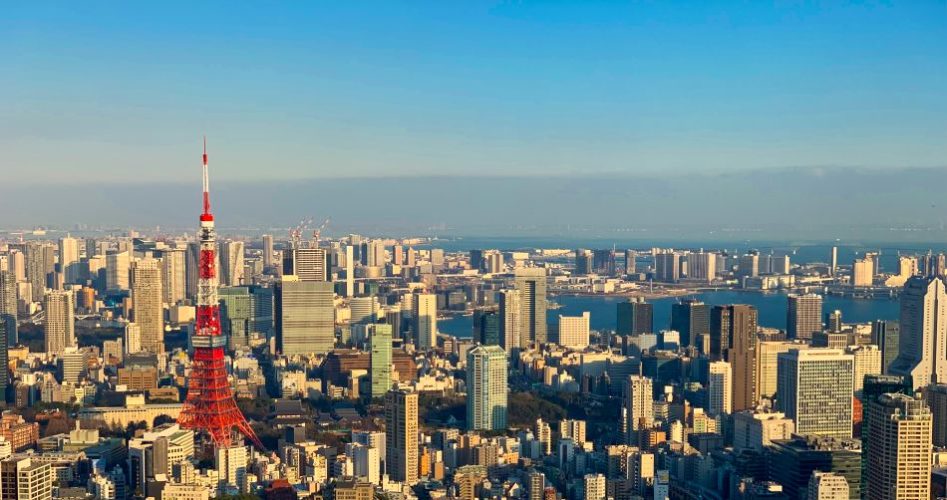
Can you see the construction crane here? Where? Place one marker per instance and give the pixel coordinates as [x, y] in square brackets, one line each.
[295, 233]
[317, 232]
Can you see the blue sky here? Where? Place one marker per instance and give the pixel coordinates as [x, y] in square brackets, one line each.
[116, 92]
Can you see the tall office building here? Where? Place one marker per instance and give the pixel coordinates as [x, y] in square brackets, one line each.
[304, 316]
[814, 389]
[583, 261]
[733, 339]
[638, 407]
[874, 387]
[486, 388]
[603, 262]
[833, 264]
[574, 331]
[867, 361]
[630, 266]
[790, 462]
[231, 260]
[510, 321]
[486, 327]
[719, 388]
[766, 374]
[309, 264]
[702, 266]
[803, 316]
[424, 308]
[59, 327]
[268, 251]
[531, 285]
[349, 271]
[8, 324]
[401, 436]
[380, 362]
[863, 272]
[147, 303]
[692, 319]
[886, 334]
[69, 259]
[667, 267]
[475, 258]
[922, 349]
[173, 275]
[899, 466]
[748, 265]
[117, 265]
[635, 317]
[364, 310]
[40, 266]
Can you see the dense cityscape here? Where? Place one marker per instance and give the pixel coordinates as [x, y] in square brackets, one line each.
[307, 366]
[468, 250]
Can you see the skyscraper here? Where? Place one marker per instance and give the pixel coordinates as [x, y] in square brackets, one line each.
[60, 321]
[867, 361]
[635, 317]
[401, 435]
[116, 271]
[814, 389]
[899, 466]
[69, 259]
[639, 406]
[583, 261]
[886, 335]
[40, 265]
[702, 266]
[425, 320]
[574, 331]
[173, 275]
[147, 304]
[667, 267]
[304, 316]
[691, 318]
[486, 326]
[486, 388]
[531, 285]
[803, 316]
[719, 388]
[733, 338]
[231, 260]
[922, 349]
[380, 363]
[630, 266]
[268, 251]
[874, 387]
[8, 325]
[309, 264]
[510, 322]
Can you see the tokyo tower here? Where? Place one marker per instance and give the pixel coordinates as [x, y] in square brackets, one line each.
[210, 406]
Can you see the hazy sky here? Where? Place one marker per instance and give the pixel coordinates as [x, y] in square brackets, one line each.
[102, 91]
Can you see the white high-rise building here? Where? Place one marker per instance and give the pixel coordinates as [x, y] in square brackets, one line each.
[267, 250]
[132, 338]
[173, 275]
[510, 322]
[425, 320]
[814, 389]
[867, 362]
[574, 331]
[719, 388]
[922, 349]
[59, 326]
[486, 388]
[231, 464]
[367, 461]
[899, 462]
[232, 262]
[702, 266]
[148, 304]
[117, 265]
[69, 259]
[639, 406]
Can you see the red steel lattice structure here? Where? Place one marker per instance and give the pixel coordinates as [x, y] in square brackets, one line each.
[210, 406]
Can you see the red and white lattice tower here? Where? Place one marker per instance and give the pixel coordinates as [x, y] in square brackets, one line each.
[210, 406]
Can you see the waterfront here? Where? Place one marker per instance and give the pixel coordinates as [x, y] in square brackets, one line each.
[771, 307]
